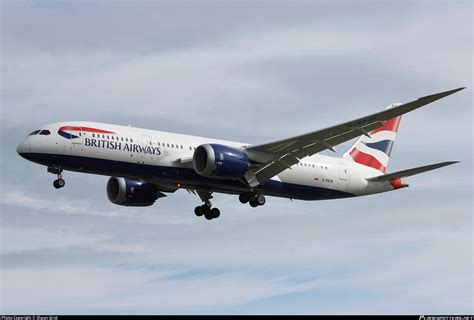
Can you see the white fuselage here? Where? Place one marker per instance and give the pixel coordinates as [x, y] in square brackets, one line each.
[160, 157]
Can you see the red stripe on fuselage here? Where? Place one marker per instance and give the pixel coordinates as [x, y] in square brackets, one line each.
[389, 125]
[366, 160]
[85, 129]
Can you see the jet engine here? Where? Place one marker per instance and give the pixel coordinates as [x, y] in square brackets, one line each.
[131, 193]
[219, 161]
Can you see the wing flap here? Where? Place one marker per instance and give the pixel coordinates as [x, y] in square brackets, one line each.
[293, 157]
[410, 172]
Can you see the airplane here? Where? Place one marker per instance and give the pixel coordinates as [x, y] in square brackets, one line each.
[144, 165]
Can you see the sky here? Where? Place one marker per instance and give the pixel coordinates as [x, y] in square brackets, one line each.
[244, 71]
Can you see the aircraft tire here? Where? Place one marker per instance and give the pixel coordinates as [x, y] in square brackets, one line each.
[205, 209]
[198, 211]
[215, 213]
[59, 183]
[243, 198]
[260, 200]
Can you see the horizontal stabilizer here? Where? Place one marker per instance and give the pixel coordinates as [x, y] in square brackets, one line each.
[410, 172]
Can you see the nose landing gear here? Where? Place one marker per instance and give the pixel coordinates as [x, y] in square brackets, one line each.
[59, 182]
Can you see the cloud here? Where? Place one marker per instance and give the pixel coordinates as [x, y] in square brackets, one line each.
[217, 78]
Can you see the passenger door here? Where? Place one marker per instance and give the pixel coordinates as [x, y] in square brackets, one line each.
[75, 143]
[147, 149]
[343, 176]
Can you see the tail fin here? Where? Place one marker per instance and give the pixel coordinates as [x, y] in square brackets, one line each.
[374, 151]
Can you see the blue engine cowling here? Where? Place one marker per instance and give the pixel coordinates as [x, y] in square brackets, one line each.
[219, 161]
[131, 193]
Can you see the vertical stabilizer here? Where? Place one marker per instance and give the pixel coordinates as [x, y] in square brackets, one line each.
[375, 151]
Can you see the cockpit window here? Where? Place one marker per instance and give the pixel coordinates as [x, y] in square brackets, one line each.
[34, 132]
[45, 132]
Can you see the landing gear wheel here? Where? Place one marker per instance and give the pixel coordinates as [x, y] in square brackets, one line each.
[243, 198]
[215, 213]
[260, 200]
[198, 211]
[209, 216]
[253, 203]
[59, 183]
[205, 209]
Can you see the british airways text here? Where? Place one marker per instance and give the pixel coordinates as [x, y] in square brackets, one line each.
[121, 146]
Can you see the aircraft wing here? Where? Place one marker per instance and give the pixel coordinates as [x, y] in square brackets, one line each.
[410, 172]
[272, 158]
[185, 162]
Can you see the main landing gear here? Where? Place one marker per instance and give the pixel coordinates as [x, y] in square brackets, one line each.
[253, 199]
[208, 212]
[206, 209]
[59, 182]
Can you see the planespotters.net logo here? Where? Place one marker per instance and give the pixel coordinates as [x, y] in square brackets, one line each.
[446, 317]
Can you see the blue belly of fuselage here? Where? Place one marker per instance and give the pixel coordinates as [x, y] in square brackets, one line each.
[186, 178]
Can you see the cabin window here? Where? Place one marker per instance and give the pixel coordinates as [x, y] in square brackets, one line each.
[131, 140]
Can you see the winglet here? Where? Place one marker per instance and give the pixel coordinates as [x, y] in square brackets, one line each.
[437, 96]
[415, 104]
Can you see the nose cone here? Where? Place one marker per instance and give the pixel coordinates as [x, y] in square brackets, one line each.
[23, 148]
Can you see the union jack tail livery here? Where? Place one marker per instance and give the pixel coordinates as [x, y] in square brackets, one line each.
[374, 151]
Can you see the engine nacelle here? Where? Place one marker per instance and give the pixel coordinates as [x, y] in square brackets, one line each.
[131, 193]
[219, 161]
